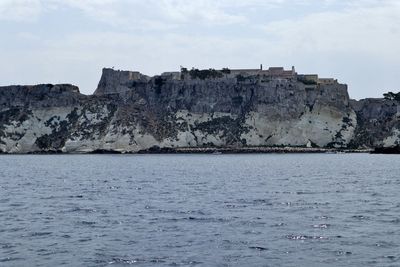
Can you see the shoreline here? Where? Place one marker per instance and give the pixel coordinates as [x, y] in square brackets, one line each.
[248, 150]
[206, 150]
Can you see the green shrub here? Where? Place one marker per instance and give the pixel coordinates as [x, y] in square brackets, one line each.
[204, 74]
[226, 71]
[392, 96]
[240, 78]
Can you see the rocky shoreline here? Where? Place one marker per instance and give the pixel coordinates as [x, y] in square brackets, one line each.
[213, 150]
[248, 150]
[387, 150]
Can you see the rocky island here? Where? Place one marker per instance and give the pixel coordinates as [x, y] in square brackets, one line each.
[195, 110]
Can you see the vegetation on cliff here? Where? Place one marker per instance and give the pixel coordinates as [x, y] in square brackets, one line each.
[392, 96]
[204, 74]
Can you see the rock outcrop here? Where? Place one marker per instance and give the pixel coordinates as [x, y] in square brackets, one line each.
[131, 112]
[378, 123]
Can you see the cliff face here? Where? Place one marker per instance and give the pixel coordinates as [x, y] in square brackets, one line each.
[378, 123]
[130, 112]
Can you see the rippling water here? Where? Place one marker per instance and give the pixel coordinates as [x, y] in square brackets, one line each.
[206, 210]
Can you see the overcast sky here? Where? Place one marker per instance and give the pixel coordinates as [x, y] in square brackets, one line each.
[70, 41]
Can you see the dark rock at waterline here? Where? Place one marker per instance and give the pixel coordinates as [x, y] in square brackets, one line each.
[387, 150]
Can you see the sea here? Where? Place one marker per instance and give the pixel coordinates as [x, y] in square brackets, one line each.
[200, 210]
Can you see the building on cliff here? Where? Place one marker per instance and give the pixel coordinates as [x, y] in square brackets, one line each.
[273, 72]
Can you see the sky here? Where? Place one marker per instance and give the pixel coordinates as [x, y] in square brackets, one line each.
[70, 41]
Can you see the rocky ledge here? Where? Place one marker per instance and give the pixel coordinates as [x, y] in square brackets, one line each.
[238, 110]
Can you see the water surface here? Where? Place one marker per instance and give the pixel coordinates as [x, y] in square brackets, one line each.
[204, 210]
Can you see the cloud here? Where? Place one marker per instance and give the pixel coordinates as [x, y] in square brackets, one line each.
[363, 30]
[19, 10]
[102, 10]
[123, 12]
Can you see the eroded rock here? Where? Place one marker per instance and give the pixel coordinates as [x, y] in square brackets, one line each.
[131, 112]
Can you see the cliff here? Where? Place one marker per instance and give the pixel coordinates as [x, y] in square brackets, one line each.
[378, 123]
[131, 112]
